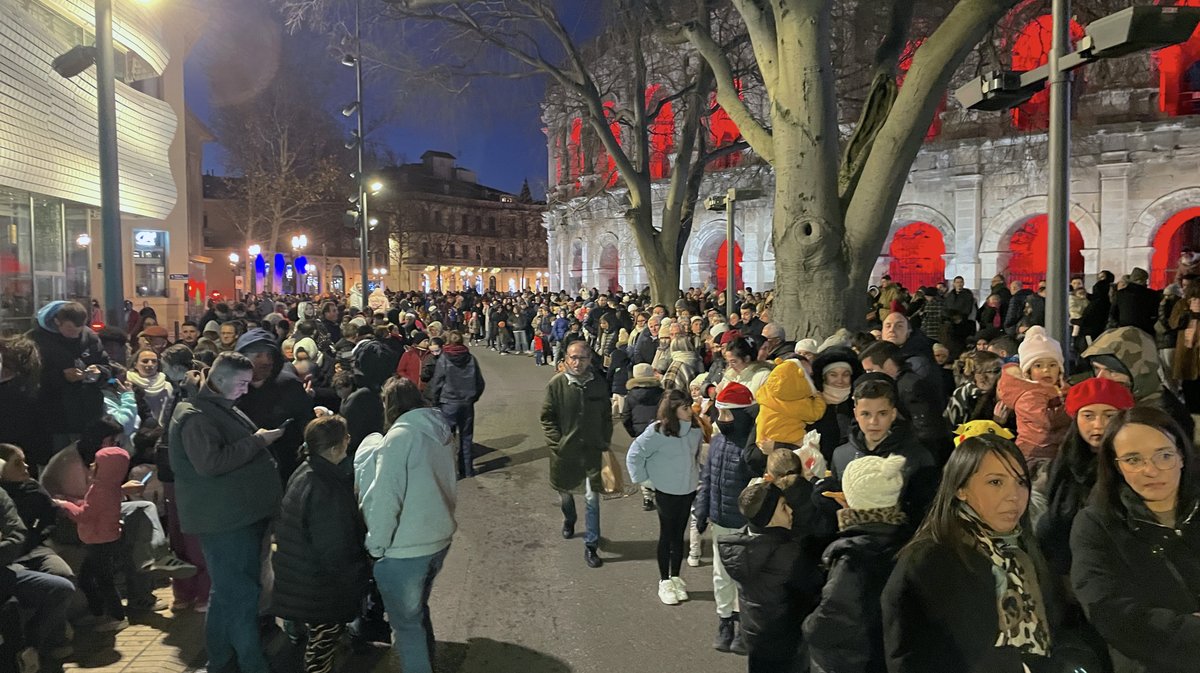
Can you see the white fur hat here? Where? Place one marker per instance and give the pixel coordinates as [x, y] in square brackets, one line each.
[718, 329]
[872, 482]
[1037, 345]
[806, 346]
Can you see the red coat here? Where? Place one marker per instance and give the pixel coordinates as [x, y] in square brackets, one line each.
[1042, 420]
[410, 365]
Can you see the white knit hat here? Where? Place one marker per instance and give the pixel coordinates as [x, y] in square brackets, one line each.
[1037, 346]
[806, 346]
[872, 482]
[718, 329]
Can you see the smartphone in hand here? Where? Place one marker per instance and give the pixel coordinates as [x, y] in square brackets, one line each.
[284, 425]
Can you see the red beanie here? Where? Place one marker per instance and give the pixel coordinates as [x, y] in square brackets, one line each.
[730, 335]
[734, 396]
[1098, 391]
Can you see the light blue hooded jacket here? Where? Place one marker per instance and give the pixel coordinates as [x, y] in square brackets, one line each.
[407, 486]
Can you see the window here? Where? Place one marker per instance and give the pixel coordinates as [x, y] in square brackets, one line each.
[466, 252]
[16, 261]
[437, 221]
[491, 252]
[79, 227]
[338, 281]
[478, 224]
[492, 225]
[465, 223]
[150, 262]
[424, 249]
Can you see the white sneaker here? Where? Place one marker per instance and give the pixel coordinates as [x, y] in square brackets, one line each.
[680, 588]
[693, 561]
[666, 592]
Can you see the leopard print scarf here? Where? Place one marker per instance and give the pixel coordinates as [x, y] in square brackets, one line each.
[1019, 605]
[856, 517]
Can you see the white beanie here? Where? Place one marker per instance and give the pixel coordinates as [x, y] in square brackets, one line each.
[872, 482]
[836, 341]
[665, 326]
[1037, 346]
[718, 329]
[806, 346]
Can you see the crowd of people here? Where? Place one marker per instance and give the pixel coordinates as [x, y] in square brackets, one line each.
[941, 490]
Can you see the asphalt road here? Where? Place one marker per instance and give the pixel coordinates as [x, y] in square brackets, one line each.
[514, 597]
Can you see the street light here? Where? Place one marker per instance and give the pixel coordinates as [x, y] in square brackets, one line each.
[254, 250]
[234, 258]
[726, 203]
[299, 242]
[83, 240]
[69, 65]
[1128, 31]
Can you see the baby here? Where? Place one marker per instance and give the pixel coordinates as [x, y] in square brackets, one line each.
[1034, 390]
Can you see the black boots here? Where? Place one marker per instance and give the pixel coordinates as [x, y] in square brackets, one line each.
[725, 630]
[738, 646]
[593, 559]
[568, 530]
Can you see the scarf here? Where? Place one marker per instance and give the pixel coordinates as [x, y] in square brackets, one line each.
[835, 395]
[847, 517]
[1019, 606]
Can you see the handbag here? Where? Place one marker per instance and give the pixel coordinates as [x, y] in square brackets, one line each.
[612, 476]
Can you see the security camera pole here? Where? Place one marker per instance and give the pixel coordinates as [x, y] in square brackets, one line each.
[726, 203]
[1058, 262]
[363, 219]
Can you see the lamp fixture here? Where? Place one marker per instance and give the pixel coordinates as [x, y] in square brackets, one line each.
[350, 108]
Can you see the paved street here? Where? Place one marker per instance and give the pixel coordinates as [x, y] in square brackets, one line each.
[514, 596]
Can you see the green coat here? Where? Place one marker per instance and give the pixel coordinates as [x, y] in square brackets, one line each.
[577, 421]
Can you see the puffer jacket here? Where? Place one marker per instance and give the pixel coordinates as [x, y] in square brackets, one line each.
[671, 463]
[845, 632]
[1139, 583]
[1042, 420]
[641, 404]
[457, 378]
[98, 517]
[921, 474]
[788, 403]
[1072, 477]
[619, 371]
[321, 568]
[722, 479]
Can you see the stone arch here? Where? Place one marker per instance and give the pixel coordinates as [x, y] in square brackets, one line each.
[702, 250]
[998, 230]
[608, 261]
[910, 213]
[1145, 228]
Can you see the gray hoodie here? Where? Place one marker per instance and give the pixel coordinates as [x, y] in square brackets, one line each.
[407, 486]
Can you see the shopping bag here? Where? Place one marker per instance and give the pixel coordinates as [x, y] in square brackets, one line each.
[612, 476]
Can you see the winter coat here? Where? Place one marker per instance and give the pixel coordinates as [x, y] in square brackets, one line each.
[1094, 320]
[24, 422]
[37, 510]
[577, 421]
[1139, 583]
[407, 486]
[643, 349]
[1042, 420]
[619, 370]
[1072, 476]
[834, 426]
[787, 403]
[1186, 364]
[12, 544]
[685, 366]
[162, 455]
[1135, 349]
[970, 403]
[641, 404]
[72, 406]
[98, 517]
[321, 569]
[921, 474]
[962, 301]
[411, 363]
[363, 409]
[753, 376]
[923, 410]
[279, 398]
[671, 463]
[1135, 306]
[845, 632]
[559, 330]
[1016, 309]
[940, 613]
[722, 479]
[225, 478]
[457, 378]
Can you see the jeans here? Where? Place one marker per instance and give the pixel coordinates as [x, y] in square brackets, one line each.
[143, 540]
[231, 630]
[522, 338]
[405, 584]
[591, 500]
[725, 591]
[673, 513]
[460, 416]
[48, 598]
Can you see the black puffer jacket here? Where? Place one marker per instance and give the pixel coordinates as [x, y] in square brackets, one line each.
[619, 370]
[834, 427]
[845, 632]
[641, 404]
[363, 409]
[37, 511]
[321, 567]
[73, 406]
[1139, 583]
[722, 479]
[921, 474]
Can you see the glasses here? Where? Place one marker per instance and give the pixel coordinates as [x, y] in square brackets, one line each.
[1162, 460]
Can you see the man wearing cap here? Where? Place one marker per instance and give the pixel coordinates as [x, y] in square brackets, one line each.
[1136, 305]
[577, 420]
[275, 396]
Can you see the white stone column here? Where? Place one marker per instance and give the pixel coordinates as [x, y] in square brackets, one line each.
[1139, 256]
[990, 264]
[881, 267]
[1114, 215]
[1091, 263]
[968, 228]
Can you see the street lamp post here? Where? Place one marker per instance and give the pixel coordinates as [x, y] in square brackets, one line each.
[110, 186]
[726, 203]
[1058, 254]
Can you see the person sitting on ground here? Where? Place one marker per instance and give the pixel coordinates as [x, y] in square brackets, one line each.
[845, 632]
[38, 513]
[1035, 390]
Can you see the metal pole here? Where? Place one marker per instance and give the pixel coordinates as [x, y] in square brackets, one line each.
[110, 186]
[1058, 261]
[730, 271]
[364, 230]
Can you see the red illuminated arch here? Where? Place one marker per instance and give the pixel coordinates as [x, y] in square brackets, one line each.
[1179, 71]
[722, 132]
[662, 134]
[1031, 50]
[916, 253]
[1027, 246]
[906, 59]
[1182, 229]
[722, 266]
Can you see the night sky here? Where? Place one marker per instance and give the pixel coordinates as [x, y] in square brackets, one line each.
[493, 127]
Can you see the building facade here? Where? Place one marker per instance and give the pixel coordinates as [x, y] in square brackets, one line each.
[50, 234]
[445, 231]
[975, 201]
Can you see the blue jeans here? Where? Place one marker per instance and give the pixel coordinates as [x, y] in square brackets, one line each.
[591, 501]
[47, 598]
[405, 584]
[234, 561]
[460, 416]
[522, 338]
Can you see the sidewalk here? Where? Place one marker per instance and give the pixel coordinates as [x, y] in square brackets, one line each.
[155, 642]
